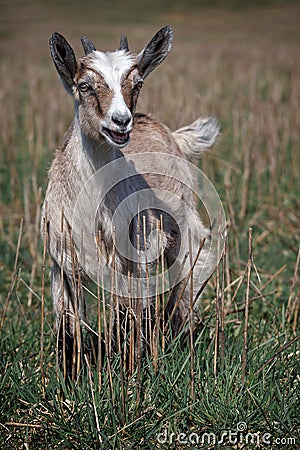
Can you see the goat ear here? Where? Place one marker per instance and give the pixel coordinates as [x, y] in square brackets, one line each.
[155, 52]
[87, 45]
[64, 59]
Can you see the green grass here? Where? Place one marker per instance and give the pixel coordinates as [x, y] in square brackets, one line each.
[248, 77]
[267, 401]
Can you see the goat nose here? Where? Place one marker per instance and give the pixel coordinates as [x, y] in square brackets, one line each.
[122, 120]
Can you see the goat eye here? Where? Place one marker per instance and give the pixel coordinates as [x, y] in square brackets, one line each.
[84, 87]
[139, 84]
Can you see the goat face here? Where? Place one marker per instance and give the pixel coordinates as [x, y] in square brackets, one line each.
[106, 89]
[106, 86]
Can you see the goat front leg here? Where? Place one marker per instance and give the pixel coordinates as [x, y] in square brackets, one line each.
[68, 307]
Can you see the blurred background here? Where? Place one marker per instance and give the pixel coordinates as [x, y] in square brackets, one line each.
[233, 59]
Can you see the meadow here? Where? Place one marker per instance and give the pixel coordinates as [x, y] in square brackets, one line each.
[236, 383]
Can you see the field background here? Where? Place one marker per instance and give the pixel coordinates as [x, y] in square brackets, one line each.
[238, 61]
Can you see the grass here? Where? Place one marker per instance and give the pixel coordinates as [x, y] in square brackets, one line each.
[246, 73]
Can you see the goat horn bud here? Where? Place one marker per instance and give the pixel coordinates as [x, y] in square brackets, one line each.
[87, 45]
[124, 43]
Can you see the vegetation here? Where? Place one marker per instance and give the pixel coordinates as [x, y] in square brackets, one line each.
[241, 372]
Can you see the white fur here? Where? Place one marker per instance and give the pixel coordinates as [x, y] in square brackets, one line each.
[118, 107]
[113, 66]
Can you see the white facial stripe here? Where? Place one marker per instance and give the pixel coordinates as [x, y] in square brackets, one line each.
[112, 66]
[118, 105]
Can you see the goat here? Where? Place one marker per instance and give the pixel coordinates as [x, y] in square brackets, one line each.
[117, 174]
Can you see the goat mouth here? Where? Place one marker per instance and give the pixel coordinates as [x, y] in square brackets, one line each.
[117, 138]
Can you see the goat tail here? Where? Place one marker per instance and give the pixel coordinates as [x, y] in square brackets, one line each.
[195, 138]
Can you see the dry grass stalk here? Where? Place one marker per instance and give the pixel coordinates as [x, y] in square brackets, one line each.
[116, 306]
[217, 325]
[239, 280]
[106, 329]
[228, 288]
[296, 311]
[157, 303]
[112, 299]
[191, 322]
[14, 275]
[99, 315]
[222, 305]
[138, 315]
[167, 324]
[32, 229]
[231, 213]
[184, 285]
[220, 308]
[43, 304]
[76, 281]
[247, 167]
[273, 277]
[148, 331]
[62, 325]
[23, 425]
[246, 320]
[131, 325]
[93, 400]
[290, 308]
[162, 287]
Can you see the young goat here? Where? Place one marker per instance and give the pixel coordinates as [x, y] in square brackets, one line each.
[120, 188]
